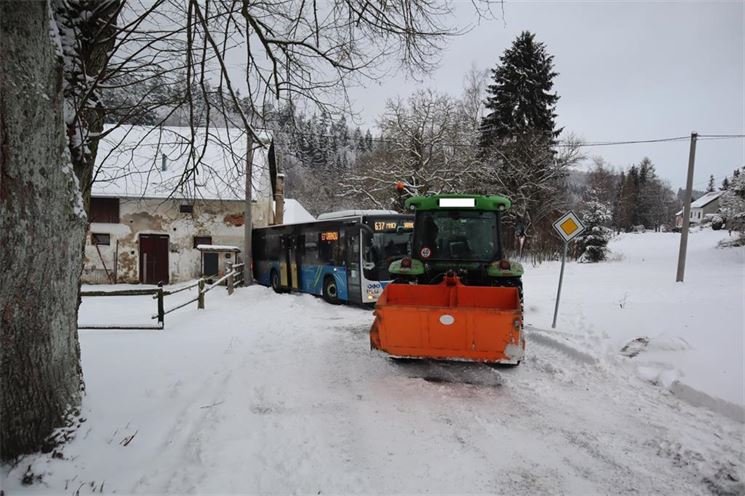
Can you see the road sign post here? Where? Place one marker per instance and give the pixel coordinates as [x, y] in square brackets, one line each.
[561, 279]
[569, 227]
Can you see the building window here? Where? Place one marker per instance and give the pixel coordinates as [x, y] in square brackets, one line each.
[100, 239]
[186, 209]
[202, 240]
[105, 210]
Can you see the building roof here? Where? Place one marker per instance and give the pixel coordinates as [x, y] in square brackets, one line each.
[295, 213]
[130, 163]
[704, 200]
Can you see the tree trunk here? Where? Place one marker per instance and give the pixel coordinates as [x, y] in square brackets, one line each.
[93, 24]
[42, 228]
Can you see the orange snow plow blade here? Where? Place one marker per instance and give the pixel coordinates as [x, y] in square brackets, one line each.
[449, 321]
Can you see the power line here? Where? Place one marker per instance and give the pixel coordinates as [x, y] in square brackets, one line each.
[628, 142]
[559, 143]
[723, 136]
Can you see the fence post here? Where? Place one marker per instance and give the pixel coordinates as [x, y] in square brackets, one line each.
[161, 311]
[200, 299]
[231, 281]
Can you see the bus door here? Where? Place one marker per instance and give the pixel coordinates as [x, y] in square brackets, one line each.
[296, 258]
[354, 270]
[285, 251]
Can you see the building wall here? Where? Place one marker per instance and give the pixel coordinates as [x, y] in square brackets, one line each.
[222, 220]
[699, 214]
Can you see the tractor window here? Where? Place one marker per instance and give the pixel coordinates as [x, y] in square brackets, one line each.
[456, 235]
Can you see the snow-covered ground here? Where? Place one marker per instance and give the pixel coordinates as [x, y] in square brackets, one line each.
[266, 393]
[695, 329]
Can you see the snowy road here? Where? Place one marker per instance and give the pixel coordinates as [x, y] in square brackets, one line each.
[265, 393]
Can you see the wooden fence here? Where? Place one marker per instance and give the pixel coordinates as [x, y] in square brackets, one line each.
[233, 278]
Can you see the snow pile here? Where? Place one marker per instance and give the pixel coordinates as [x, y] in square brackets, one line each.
[693, 330]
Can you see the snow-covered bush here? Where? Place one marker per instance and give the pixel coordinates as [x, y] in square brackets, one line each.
[733, 205]
[717, 222]
[594, 240]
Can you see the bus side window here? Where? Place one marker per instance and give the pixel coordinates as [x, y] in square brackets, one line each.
[310, 249]
[325, 250]
[258, 245]
[272, 246]
[340, 250]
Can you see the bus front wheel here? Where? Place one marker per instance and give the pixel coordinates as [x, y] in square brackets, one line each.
[330, 292]
[275, 282]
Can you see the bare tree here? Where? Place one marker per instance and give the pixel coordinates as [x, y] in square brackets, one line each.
[425, 147]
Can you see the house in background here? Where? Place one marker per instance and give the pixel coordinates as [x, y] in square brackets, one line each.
[707, 204]
[147, 216]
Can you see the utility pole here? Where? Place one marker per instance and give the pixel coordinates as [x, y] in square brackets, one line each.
[247, 221]
[686, 211]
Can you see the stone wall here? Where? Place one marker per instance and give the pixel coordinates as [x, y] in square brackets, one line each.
[222, 220]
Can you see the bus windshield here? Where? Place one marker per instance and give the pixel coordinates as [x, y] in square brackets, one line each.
[456, 235]
[388, 242]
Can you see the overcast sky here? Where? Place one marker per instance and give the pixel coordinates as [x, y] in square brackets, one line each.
[627, 71]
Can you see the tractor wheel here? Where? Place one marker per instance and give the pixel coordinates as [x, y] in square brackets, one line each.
[330, 291]
[275, 282]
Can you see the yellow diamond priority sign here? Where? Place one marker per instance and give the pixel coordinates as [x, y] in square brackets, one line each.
[568, 226]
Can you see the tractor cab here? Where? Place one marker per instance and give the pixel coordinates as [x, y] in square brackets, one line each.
[458, 233]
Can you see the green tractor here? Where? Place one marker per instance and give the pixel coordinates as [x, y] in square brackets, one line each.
[455, 297]
[458, 233]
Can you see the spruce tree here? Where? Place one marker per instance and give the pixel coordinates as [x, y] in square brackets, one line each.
[518, 134]
[594, 239]
[520, 100]
[710, 188]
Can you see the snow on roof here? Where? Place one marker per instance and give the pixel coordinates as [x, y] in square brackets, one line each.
[217, 248]
[295, 213]
[354, 213]
[706, 199]
[130, 161]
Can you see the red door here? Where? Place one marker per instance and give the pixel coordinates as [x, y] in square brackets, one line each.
[154, 258]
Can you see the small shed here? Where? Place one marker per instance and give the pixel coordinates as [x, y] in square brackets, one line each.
[215, 259]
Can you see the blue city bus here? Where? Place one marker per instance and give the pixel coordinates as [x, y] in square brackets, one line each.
[343, 256]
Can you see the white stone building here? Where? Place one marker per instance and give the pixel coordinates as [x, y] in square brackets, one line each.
[148, 215]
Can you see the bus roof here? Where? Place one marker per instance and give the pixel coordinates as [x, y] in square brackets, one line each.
[460, 201]
[354, 213]
[321, 219]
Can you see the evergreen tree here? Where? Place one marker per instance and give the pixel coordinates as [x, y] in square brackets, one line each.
[649, 200]
[594, 239]
[725, 184]
[710, 188]
[518, 134]
[629, 200]
[358, 141]
[368, 141]
[733, 205]
[519, 99]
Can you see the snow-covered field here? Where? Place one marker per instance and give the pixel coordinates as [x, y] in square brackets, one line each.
[265, 393]
[695, 329]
